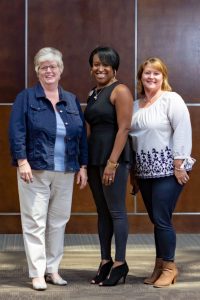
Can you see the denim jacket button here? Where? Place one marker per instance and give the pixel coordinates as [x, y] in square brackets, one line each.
[61, 111]
[66, 123]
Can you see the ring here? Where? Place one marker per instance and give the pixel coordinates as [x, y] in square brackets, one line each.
[110, 179]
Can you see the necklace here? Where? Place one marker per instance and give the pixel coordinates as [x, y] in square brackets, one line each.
[97, 93]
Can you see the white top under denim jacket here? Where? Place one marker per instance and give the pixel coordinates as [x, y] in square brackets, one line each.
[161, 133]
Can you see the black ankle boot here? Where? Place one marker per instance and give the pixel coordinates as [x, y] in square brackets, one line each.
[115, 275]
[103, 272]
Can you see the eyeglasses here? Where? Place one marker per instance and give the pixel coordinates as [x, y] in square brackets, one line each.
[51, 67]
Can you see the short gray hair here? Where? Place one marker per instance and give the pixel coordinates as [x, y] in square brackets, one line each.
[48, 53]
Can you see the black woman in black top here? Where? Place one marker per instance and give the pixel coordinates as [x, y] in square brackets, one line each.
[108, 114]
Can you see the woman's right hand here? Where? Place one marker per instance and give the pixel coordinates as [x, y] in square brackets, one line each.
[25, 171]
[134, 183]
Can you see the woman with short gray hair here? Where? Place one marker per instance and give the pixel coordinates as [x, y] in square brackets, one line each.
[49, 146]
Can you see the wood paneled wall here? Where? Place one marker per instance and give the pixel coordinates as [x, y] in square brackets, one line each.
[169, 30]
[12, 26]
[76, 28]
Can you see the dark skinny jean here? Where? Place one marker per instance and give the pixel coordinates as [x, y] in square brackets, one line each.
[111, 208]
[160, 196]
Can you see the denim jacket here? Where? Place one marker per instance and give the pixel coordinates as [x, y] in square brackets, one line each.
[32, 131]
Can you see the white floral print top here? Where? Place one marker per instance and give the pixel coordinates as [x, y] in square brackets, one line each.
[161, 133]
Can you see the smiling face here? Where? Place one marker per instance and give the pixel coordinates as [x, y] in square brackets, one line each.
[49, 73]
[152, 78]
[103, 74]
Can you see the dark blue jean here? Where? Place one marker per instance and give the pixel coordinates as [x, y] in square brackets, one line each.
[160, 196]
[111, 208]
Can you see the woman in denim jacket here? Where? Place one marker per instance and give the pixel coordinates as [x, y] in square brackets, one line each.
[48, 146]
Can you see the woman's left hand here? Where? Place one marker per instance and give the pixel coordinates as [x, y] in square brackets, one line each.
[108, 175]
[181, 176]
[81, 178]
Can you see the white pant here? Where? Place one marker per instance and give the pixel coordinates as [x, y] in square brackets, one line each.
[45, 209]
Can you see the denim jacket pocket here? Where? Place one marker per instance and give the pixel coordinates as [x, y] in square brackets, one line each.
[72, 111]
[36, 115]
[75, 122]
[38, 108]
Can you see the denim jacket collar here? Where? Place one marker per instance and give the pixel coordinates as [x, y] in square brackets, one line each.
[39, 92]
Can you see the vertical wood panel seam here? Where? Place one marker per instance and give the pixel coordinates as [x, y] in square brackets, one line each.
[26, 44]
[135, 198]
[136, 45]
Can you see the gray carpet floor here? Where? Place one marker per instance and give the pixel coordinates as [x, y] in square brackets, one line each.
[80, 262]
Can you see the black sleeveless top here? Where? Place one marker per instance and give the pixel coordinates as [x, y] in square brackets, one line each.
[101, 115]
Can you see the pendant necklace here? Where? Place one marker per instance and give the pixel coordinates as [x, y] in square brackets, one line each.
[97, 93]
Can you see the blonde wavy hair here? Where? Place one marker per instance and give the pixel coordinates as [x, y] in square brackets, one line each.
[159, 65]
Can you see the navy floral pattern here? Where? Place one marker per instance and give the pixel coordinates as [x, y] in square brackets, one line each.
[154, 164]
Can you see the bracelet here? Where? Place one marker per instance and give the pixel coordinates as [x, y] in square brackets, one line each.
[23, 164]
[84, 167]
[179, 169]
[112, 164]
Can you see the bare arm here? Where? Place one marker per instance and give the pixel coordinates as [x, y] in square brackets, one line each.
[122, 98]
[88, 129]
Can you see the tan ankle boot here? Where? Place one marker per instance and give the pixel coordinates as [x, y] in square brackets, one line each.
[168, 276]
[156, 272]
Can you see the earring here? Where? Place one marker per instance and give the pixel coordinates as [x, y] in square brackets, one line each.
[114, 73]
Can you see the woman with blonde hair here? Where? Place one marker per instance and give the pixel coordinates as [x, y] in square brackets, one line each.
[160, 127]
